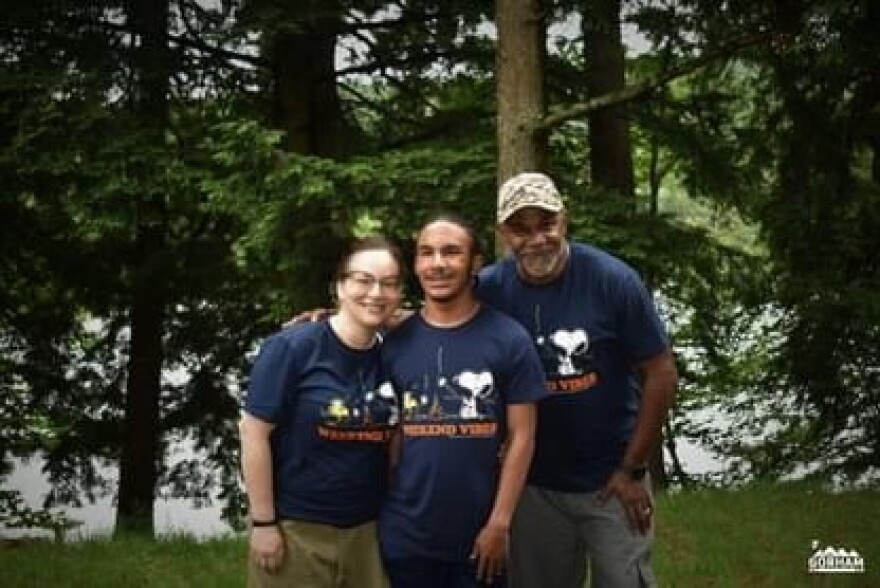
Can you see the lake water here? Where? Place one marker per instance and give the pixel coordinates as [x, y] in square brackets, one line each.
[173, 516]
[181, 517]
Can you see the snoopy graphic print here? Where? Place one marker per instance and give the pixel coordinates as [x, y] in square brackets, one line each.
[461, 404]
[362, 415]
[455, 385]
[567, 358]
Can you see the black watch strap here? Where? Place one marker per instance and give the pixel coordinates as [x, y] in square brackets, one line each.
[265, 523]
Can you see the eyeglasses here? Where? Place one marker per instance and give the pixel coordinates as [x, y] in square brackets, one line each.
[363, 282]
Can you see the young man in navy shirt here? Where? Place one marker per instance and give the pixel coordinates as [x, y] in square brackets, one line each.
[468, 378]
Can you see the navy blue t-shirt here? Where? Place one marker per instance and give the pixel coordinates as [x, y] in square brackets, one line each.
[455, 385]
[590, 326]
[333, 423]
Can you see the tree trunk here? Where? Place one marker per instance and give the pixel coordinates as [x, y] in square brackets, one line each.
[140, 435]
[307, 107]
[676, 470]
[138, 467]
[520, 86]
[611, 165]
[305, 101]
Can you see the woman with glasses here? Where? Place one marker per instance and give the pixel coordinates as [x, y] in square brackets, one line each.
[315, 431]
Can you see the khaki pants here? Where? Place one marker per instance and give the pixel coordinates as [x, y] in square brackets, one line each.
[324, 556]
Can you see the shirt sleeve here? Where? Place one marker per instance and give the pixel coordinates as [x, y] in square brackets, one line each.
[273, 376]
[526, 381]
[641, 329]
[486, 287]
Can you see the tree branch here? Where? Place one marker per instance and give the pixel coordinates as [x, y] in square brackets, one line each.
[441, 126]
[194, 43]
[633, 92]
[374, 106]
[390, 24]
[391, 63]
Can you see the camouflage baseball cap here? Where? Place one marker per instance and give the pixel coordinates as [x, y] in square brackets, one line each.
[528, 189]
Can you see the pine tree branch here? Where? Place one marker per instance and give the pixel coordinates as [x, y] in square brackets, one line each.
[633, 92]
[195, 43]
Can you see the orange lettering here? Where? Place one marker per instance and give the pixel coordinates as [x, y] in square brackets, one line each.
[573, 385]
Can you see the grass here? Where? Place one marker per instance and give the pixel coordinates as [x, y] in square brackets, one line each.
[759, 536]
[762, 536]
[129, 562]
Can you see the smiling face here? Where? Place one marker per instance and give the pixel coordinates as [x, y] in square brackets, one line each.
[370, 288]
[446, 261]
[536, 237]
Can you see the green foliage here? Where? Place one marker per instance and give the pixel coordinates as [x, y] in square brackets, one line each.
[786, 134]
[393, 189]
[86, 176]
[820, 224]
[755, 216]
[15, 514]
[246, 234]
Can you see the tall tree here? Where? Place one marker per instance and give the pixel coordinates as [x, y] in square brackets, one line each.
[301, 54]
[132, 266]
[610, 157]
[826, 190]
[522, 35]
[780, 134]
[307, 107]
[138, 464]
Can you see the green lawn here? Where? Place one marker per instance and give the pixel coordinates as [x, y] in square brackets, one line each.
[708, 538]
[126, 563]
[762, 536]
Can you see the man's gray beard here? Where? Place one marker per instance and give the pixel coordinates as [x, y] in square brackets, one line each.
[540, 266]
[550, 265]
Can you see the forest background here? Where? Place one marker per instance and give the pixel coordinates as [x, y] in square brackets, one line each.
[178, 177]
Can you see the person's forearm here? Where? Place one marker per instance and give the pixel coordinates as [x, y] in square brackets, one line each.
[511, 482]
[658, 393]
[257, 470]
[514, 469]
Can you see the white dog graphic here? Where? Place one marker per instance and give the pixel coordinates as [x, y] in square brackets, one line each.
[476, 386]
[569, 345]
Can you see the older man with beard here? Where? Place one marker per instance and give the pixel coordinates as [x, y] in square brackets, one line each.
[611, 375]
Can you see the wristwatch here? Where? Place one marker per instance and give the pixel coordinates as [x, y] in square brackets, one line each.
[635, 472]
